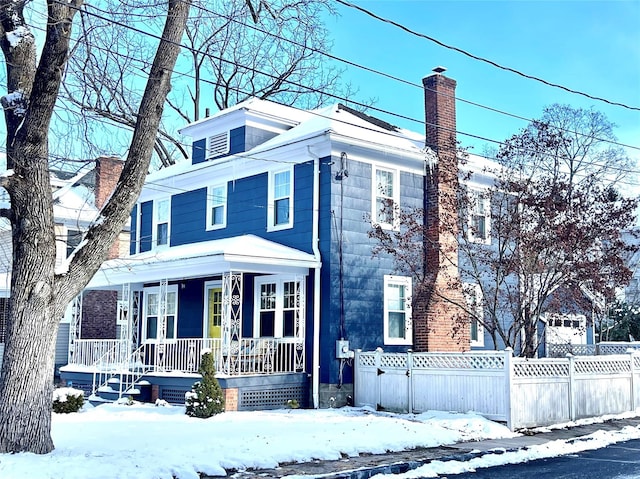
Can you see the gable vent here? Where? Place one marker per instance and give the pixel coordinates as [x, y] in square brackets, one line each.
[218, 145]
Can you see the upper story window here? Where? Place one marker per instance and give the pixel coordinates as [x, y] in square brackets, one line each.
[161, 222]
[398, 328]
[217, 145]
[280, 211]
[479, 229]
[73, 240]
[386, 197]
[474, 298]
[217, 207]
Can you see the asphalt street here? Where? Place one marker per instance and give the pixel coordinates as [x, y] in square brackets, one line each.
[618, 461]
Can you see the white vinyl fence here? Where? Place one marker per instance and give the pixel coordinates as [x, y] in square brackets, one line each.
[521, 392]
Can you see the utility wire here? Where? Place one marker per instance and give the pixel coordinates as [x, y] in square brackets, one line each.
[331, 95]
[482, 59]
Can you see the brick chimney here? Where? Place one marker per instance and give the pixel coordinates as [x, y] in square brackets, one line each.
[108, 169]
[439, 324]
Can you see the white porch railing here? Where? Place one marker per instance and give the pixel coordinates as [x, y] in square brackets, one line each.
[243, 357]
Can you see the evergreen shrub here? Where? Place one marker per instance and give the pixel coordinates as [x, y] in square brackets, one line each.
[206, 398]
[67, 400]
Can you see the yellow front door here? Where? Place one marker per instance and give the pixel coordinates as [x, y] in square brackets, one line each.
[214, 312]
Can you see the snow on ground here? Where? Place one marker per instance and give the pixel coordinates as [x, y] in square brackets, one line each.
[144, 441]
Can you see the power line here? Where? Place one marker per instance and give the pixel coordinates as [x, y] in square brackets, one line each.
[482, 59]
[421, 122]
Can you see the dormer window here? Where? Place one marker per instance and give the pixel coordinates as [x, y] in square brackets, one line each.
[217, 145]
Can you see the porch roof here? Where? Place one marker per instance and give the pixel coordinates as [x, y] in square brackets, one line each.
[246, 253]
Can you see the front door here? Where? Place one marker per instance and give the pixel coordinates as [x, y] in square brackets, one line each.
[214, 311]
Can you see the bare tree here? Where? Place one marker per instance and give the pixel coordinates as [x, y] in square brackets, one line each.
[588, 147]
[536, 236]
[39, 292]
[234, 50]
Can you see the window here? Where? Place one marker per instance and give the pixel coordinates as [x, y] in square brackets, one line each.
[279, 306]
[473, 296]
[217, 145]
[152, 313]
[397, 310]
[385, 197]
[280, 212]
[479, 218]
[217, 207]
[73, 240]
[161, 215]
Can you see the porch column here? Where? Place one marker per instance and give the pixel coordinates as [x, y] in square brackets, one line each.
[75, 327]
[124, 319]
[162, 322]
[134, 318]
[231, 317]
[299, 327]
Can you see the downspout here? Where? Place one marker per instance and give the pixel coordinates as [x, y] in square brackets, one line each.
[315, 377]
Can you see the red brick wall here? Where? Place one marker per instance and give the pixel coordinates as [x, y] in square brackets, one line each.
[108, 171]
[99, 311]
[439, 324]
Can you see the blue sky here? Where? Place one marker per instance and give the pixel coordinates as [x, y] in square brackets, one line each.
[590, 46]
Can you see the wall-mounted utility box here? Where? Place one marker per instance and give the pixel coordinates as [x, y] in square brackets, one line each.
[342, 349]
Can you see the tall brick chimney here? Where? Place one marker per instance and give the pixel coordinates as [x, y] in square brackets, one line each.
[439, 324]
[108, 169]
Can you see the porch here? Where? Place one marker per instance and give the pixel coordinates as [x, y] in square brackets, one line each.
[256, 373]
[241, 357]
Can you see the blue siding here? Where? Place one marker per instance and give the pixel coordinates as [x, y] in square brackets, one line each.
[363, 277]
[236, 140]
[199, 151]
[134, 230]
[146, 226]
[247, 200]
[191, 309]
[188, 216]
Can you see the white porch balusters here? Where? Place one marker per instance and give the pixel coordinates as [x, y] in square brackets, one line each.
[75, 328]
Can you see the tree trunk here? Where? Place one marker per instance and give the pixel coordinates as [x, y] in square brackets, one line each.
[27, 384]
[38, 295]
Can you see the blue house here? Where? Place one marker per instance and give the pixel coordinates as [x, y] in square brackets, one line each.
[257, 250]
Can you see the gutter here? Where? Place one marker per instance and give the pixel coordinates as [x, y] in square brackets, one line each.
[315, 375]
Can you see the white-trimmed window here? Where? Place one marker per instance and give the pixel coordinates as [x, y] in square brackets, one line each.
[161, 222]
[398, 327]
[277, 302]
[474, 298]
[217, 207]
[217, 145]
[479, 226]
[280, 211]
[153, 321]
[386, 197]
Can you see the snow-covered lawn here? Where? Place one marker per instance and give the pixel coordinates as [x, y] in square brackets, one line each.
[145, 441]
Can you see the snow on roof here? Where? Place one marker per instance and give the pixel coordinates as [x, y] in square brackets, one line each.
[284, 113]
[240, 253]
[340, 120]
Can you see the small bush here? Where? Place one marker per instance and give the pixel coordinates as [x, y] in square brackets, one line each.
[66, 400]
[206, 397]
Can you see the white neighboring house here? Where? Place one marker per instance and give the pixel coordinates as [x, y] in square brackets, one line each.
[77, 197]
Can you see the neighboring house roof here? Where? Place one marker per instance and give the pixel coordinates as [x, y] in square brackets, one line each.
[240, 253]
